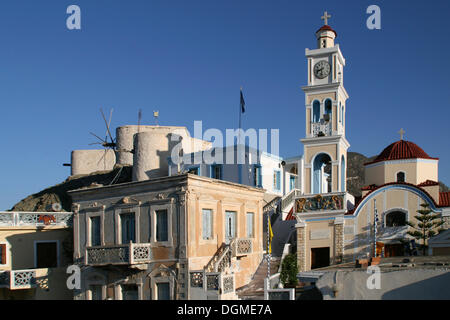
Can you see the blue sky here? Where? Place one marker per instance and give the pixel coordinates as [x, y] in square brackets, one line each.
[188, 59]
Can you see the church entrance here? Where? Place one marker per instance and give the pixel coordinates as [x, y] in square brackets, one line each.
[394, 250]
[320, 257]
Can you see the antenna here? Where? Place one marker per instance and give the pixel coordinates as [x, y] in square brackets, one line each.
[139, 120]
[156, 115]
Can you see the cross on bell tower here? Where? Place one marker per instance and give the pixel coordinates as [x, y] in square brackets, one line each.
[401, 132]
[325, 17]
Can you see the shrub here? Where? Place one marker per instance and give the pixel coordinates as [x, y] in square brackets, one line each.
[289, 270]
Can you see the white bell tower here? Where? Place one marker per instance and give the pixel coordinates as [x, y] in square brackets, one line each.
[325, 145]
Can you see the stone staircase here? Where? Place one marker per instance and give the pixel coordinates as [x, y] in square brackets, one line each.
[254, 290]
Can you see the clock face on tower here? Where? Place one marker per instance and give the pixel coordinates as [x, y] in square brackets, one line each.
[322, 69]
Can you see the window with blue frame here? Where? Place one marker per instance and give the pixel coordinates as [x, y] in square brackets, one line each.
[277, 180]
[316, 111]
[292, 181]
[328, 110]
[217, 171]
[257, 176]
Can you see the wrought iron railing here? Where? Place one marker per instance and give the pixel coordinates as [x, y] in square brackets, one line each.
[35, 219]
[126, 254]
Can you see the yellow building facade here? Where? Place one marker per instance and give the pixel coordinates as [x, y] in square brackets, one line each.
[36, 248]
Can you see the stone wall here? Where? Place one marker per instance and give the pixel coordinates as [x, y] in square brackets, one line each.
[301, 246]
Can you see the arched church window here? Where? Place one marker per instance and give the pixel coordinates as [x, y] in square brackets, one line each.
[328, 110]
[396, 219]
[316, 111]
[343, 180]
[401, 176]
[340, 112]
[322, 181]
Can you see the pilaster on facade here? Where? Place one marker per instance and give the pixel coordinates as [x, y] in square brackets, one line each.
[339, 240]
[301, 246]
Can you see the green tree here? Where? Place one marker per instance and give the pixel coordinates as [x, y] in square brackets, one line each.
[426, 227]
[289, 270]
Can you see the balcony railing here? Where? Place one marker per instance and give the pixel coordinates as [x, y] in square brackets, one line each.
[321, 202]
[322, 128]
[217, 282]
[241, 247]
[123, 254]
[35, 219]
[19, 279]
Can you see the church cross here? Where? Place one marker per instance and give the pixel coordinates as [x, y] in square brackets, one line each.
[402, 132]
[325, 17]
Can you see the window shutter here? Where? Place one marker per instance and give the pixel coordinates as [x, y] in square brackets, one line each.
[133, 228]
[208, 224]
[233, 225]
[204, 224]
[3, 253]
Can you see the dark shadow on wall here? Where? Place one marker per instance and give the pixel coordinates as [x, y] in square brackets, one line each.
[435, 288]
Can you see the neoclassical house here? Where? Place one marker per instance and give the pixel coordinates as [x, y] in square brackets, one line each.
[175, 237]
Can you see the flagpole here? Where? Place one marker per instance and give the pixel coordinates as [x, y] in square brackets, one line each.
[374, 227]
[240, 118]
[268, 248]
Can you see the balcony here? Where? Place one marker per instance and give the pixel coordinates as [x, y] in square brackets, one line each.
[320, 203]
[122, 254]
[35, 219]
[23, 279]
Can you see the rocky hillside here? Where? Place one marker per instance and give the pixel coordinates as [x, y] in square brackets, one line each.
[355, 172]
[43, 200]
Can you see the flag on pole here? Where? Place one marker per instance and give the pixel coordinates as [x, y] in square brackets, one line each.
[242, 102]
[270, 236]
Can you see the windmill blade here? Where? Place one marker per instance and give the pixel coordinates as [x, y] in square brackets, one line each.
[103, 157]
[98, 137]
[106, 123]
[91, 144]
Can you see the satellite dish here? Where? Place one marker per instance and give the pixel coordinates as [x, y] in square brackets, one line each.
[56, 207]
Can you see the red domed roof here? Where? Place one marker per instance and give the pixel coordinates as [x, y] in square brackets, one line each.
[402, 150]
[326, 28]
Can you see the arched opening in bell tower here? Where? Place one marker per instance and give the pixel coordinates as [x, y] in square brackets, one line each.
[322, 180]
